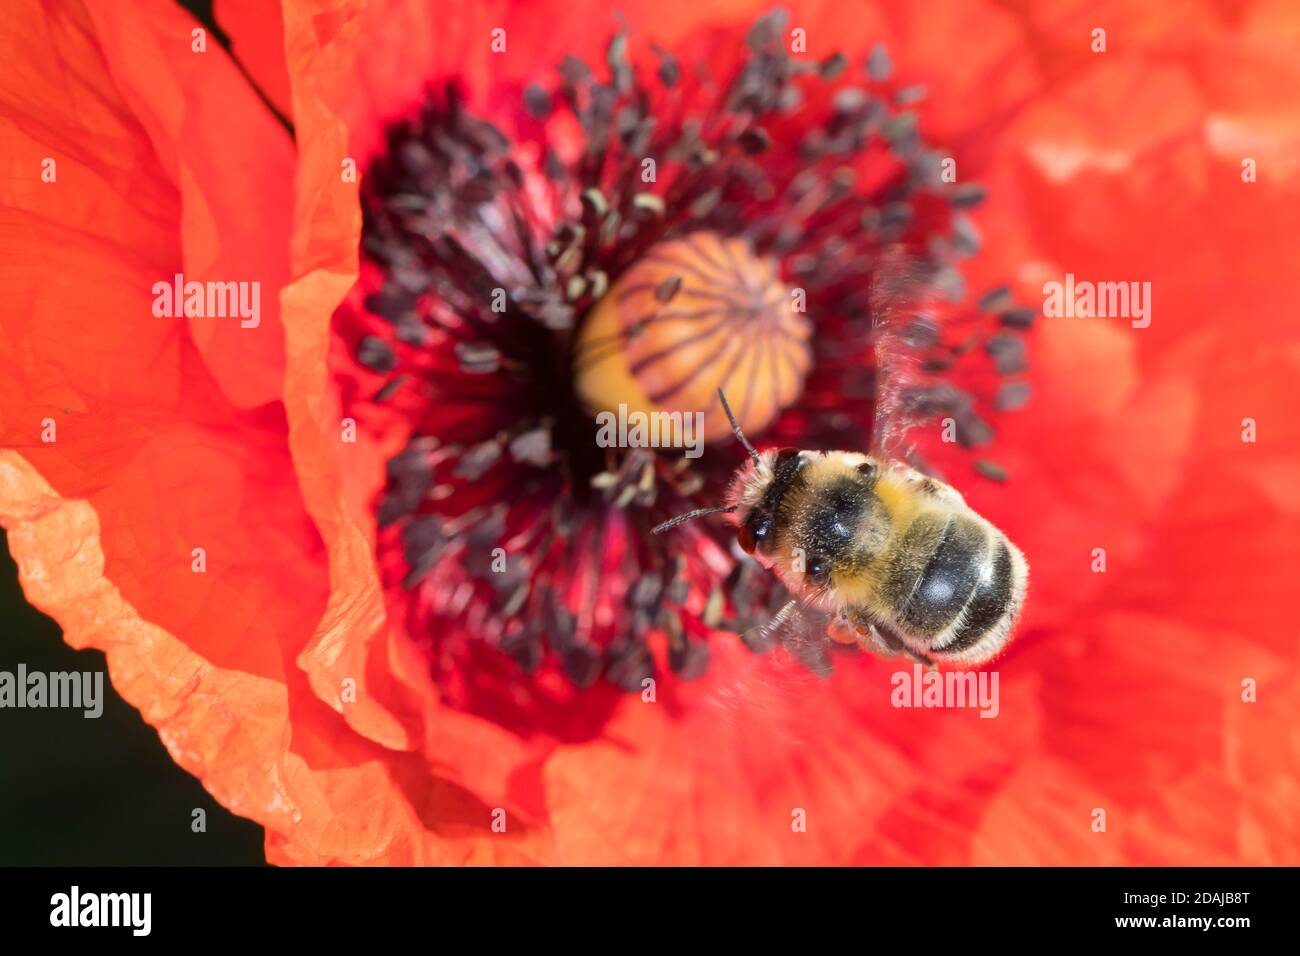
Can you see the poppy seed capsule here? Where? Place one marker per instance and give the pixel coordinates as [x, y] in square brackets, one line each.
[691, 316]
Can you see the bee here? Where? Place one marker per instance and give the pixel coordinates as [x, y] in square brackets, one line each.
[875, 553]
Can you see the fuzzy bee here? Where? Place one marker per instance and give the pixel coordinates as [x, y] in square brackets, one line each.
[875, 553]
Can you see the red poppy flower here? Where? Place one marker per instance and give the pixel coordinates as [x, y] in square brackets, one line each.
[341, 662]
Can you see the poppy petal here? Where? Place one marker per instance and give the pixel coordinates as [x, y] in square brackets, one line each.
[230, 159]
[256, 32]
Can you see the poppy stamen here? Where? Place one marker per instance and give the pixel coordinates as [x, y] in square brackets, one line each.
[699, 235]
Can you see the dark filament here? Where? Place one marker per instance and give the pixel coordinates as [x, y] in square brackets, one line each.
[483, 289]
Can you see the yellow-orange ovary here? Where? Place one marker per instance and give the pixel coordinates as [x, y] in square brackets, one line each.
[691, 316]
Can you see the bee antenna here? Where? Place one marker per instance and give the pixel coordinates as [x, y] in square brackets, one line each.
[674, 522]
[735, 427]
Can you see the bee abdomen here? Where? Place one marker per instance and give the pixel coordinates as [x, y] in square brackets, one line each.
[991, 601]
[949, 578]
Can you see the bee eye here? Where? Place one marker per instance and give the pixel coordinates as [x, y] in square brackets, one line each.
[754, 533]
[867, 469]
[819, 570]
[785, 454]
[745, 538]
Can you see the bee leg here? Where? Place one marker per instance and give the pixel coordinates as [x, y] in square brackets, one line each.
[919, 656]
[888, 644]
[927, 662]
[842, 632]
[858, 622]
[870, 639]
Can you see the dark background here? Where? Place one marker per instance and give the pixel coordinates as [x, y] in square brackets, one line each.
[75, 791]
[96, 792]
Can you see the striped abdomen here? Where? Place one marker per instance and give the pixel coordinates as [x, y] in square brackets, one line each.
[954, 583]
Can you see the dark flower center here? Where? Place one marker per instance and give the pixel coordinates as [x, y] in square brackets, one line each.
[641, 239]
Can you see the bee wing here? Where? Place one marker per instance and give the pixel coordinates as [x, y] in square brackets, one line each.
[902, 330]
[801, 629]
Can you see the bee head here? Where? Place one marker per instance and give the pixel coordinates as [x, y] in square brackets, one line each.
[756, 495]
